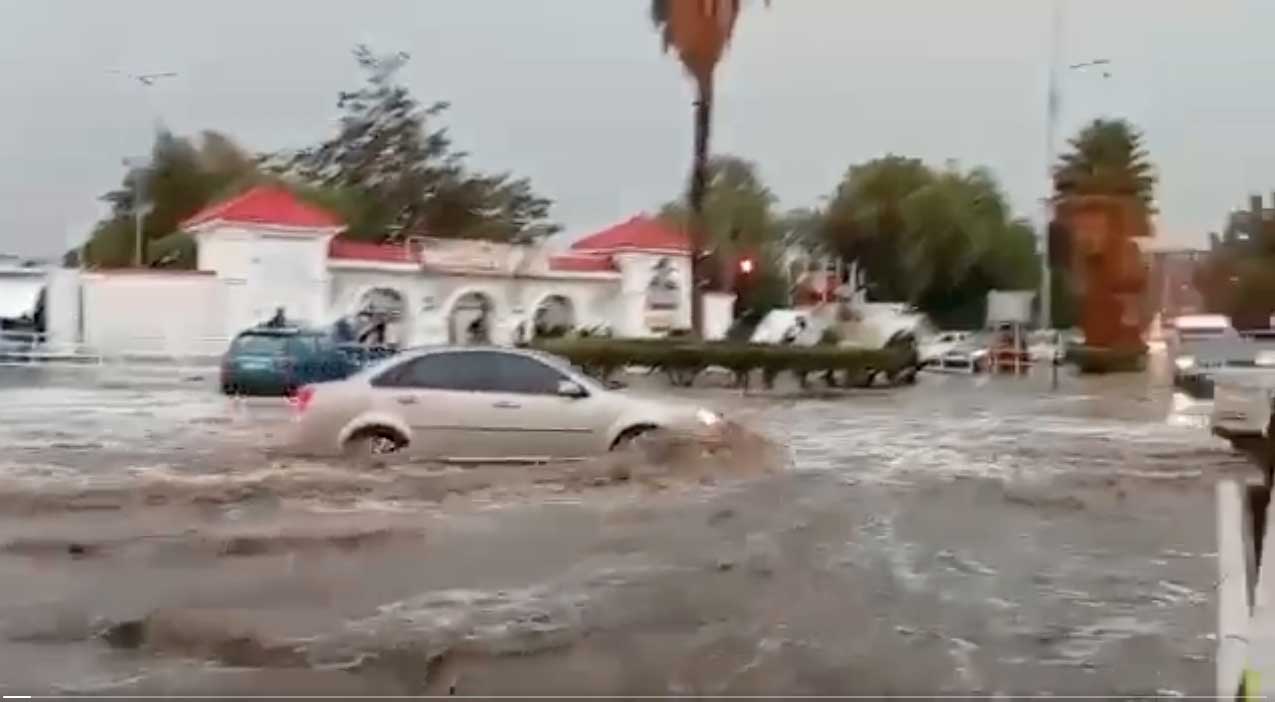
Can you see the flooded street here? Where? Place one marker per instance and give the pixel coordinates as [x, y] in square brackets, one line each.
[964, 535]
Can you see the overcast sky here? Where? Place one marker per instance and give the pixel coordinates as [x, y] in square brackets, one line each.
[577, 95]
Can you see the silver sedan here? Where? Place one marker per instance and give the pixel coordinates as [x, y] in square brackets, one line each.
[480, 405]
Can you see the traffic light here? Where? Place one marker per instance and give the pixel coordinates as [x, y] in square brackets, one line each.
[747, 265]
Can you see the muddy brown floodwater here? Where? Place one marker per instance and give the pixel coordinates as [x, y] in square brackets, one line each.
[966, 535]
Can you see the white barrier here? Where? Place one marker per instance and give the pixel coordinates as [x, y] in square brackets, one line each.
[1235, 563]
[26, 349]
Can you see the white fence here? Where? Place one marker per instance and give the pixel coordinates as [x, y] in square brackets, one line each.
[141, 353]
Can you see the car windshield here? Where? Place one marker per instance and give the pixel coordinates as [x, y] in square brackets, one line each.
[1198, 334]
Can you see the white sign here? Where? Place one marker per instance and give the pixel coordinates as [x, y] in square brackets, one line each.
[1009, 306]
[465, 255]
[663, 292]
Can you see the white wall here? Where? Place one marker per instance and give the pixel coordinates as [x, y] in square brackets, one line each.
[719, 313]
[431, 296]
[223, 251]
[262, 270]
[162, 313]
[62, 307]
[635, 271]
[289, 272]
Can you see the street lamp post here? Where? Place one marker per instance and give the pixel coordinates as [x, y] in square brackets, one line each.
[1053, 111]
[1051, 138]
[1051, 128]
[139, 165]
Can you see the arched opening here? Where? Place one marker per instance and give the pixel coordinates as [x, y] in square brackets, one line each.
[380, 318]
[471, 318]
[555, 316]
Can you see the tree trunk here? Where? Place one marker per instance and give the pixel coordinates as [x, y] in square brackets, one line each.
[698, 189]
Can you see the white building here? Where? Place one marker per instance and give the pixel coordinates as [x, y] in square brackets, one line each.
[265, 250]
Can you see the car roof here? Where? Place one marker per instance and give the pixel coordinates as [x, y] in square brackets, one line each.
[282, 331]
[1202, 321]
[416, 352]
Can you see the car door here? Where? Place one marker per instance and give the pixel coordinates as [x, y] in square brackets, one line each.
[530, 419]
[440, 396]
[304, 359]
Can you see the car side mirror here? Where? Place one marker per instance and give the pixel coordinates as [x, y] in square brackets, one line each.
[568, 388]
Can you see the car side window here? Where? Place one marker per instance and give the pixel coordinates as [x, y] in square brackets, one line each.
[301, 346]
[459, 371]
[526, 376]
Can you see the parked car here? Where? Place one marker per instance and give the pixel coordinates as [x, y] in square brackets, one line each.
[1049, 345]
[1200, 327]
[1197, 363]
[278, 360]
[482, 404]
[934, 347]
[1242, 409]
[970, 356]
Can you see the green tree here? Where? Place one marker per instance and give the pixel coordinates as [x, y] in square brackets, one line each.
[802, 228]
[738, 207]
[864, 222]
[1238, 276]
[739, 220]
[394, 173]
[940, 239]
[182, 177]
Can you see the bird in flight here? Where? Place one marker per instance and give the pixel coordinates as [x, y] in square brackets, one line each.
[146, 78]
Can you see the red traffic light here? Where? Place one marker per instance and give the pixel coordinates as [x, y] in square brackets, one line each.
[746, 265]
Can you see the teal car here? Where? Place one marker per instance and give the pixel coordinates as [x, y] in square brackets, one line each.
[278, 360]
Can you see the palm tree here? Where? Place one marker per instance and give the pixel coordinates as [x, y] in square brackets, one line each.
[1107, 158]
[699, 30]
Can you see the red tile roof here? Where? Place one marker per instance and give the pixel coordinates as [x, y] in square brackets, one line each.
[269, 205]
[642, 233]
[579, 263]
[364, 251]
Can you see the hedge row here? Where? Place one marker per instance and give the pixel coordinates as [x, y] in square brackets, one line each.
[683, 361]
[1101, 359]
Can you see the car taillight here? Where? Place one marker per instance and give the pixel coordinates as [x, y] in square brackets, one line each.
[302, 398]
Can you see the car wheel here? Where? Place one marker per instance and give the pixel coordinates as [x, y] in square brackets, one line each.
[633, 438]
[372, 447]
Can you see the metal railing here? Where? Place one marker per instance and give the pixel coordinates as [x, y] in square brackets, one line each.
[23, 348]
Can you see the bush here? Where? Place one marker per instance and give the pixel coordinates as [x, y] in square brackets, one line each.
[555, 332]
[684, 360]
[1100, 359]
